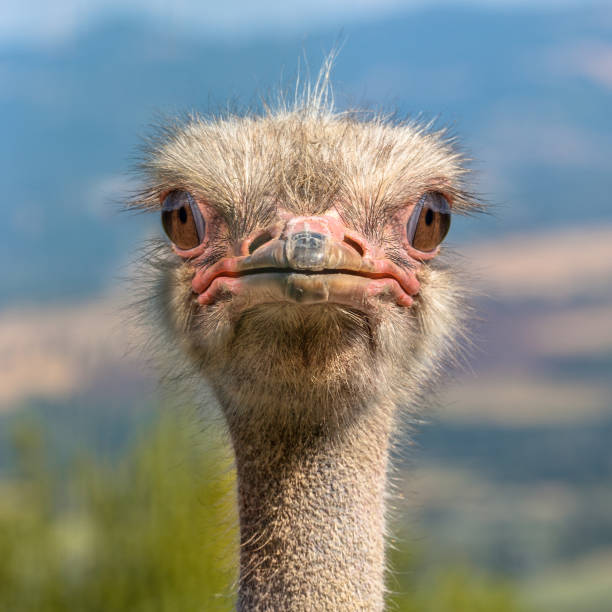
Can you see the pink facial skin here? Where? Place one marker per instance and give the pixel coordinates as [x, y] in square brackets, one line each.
[343, 268]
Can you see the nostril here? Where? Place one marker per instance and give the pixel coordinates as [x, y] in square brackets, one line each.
[259, 241]
[354, 245]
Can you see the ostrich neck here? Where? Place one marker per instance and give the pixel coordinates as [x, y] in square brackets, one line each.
[312, 518]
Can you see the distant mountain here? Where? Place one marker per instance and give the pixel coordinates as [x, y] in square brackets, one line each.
[527, 91]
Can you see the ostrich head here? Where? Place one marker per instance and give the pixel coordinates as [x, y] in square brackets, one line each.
[304, 281]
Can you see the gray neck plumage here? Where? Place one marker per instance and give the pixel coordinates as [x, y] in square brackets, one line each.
[312, 516]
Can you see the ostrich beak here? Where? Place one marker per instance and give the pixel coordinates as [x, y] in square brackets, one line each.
[311, 260]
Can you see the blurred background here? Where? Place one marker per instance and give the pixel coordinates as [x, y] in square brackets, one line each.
[112, 496]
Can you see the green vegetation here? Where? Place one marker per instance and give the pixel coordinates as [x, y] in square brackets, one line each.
[147, 531]
[154, 528]
[445, 589]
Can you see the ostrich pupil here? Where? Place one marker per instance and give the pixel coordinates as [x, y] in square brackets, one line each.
[182, 214]
[429, 216]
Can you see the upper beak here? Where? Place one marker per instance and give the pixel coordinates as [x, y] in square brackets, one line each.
[305, 250]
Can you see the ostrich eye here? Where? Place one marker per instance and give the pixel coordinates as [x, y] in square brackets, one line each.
[182, 220]
[429, 222]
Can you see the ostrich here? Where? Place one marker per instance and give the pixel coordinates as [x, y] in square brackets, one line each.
[303, 282]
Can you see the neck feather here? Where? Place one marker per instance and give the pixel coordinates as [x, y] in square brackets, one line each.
[312, 516]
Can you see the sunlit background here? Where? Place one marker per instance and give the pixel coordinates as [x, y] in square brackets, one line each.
[112, 497]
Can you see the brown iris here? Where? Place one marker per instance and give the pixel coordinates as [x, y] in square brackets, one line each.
[429, 222]
[182, 220]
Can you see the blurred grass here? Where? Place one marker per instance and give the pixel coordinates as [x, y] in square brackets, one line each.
[154, 529]
[447, 588]
[147, 531]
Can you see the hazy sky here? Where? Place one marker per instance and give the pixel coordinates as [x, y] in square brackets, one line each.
[43, 21]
